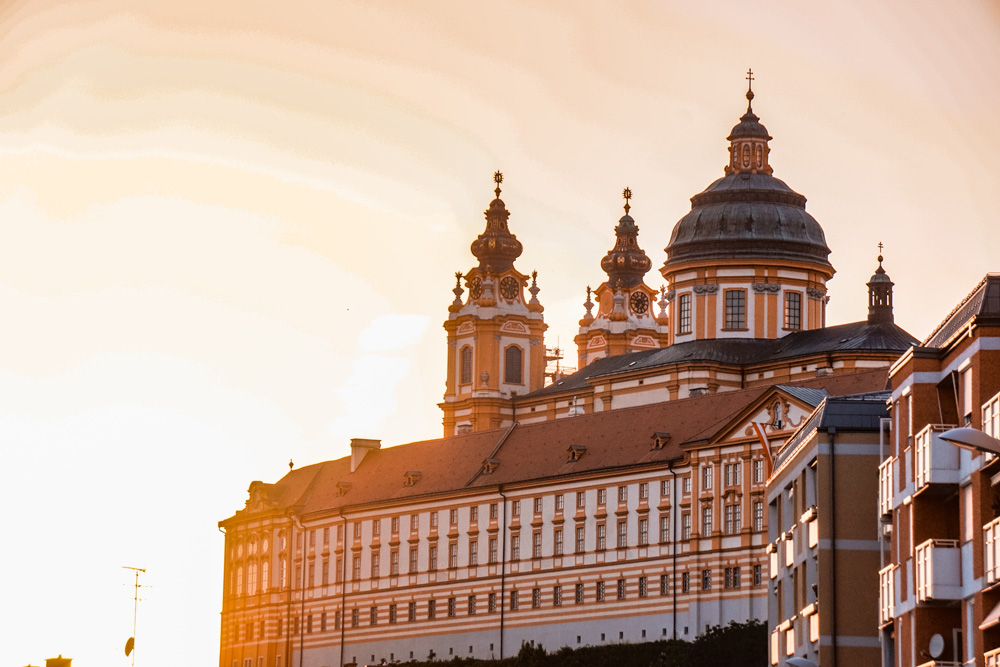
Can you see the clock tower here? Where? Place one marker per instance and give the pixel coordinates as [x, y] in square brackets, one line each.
[626, 319]
[496, 348]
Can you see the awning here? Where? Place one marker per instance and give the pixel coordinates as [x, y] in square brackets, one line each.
[992, 619]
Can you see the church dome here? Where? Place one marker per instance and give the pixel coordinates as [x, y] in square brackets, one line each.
[748, 213]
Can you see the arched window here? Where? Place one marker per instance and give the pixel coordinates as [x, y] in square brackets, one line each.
[239, 580]
[465, 374]
[282, 574]
[265, 579]
[512, 363]
[760, 156]
[252, 579]
[746, 155]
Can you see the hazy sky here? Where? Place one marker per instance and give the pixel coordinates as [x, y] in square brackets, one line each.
[228, 233]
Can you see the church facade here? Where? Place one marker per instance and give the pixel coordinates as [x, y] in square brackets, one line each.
[623, 502]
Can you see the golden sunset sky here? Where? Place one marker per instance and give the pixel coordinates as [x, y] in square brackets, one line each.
[228, 233]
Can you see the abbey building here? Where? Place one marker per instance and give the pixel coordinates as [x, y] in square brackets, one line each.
[626, 501]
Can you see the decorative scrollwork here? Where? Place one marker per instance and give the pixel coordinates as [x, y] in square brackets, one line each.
[706, 289]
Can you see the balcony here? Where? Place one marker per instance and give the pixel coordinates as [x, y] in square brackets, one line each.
[992, 658]
[939, 571]
[886, 595]
[991, 544]
[885, 487]
[938, 462]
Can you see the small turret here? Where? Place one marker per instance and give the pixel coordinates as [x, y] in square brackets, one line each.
[880, 295]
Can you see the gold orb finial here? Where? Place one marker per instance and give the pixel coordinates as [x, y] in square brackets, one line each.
[627, 194]
[498, 179]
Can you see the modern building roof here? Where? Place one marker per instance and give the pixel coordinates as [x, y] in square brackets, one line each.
[981, 302]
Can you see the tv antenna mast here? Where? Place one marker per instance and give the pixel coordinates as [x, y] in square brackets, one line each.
[130, 644]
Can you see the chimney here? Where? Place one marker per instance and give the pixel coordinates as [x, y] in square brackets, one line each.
[360, 448]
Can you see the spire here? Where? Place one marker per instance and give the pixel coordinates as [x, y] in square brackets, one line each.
[748, 148]
[496, 248]
[880, 294]
[749, 91]
[626, 263]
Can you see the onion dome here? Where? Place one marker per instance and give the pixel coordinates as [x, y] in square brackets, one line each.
[748, 213]
[496, 248]
[880, 294]
[626, 263]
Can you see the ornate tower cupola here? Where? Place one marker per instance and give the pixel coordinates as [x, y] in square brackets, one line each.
[880, 294]
[625, 321]
[747, 261]
[496, 348]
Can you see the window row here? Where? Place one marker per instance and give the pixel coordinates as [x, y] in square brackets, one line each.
[513, 365]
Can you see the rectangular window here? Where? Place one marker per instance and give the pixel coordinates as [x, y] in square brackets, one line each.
[665, 488]
[434, 519]
[686, 525]
[736, 309]
[664, 584]
[621, 589]
[579, 594]
[414, 523]
[758, 516]
[394, 562]
[431, 609]
[515, 508]
[600, 591]
[453, 555]
[376, 527]
[471, 605]
[557, 542]
[706, 521]
[473, 514]
[355, 618]
[375, 564]
[580, 537]
[432, 558]
[513, 600]
[392, 613]
[706, 580]
[758, 576]
[411, 611]
[395, 525]
[493, 510]
[536, 598]
[758, 471]
[473, 553]
[492, 602]
[581, 499]
[706, 478]
[560, 498]
[557, 596]
[664, 526]
[687, 485]
[453, 517]
[736, 577]
[684, 314]
[793, 310]
[730, 513]
[413, 560]
[536, 545]
[643, 491]
[356, 569]
[374, 615]
[602, 535]
[622, 534]
[339, 566]
[515, 547]
[538, 505]
[326, 572]
[602, 496]
[326, 537]
[493, 550]
[451, 607]
[357, 530]
[643, 532]
[622, 494]
[643, 587]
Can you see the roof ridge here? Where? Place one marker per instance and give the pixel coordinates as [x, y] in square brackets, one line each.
[957, 308]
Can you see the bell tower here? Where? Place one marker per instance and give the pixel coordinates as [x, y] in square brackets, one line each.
[626, 319]
[880, 294]
[496, 347]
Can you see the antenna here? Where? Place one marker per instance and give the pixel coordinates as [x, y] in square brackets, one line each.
[130, 644]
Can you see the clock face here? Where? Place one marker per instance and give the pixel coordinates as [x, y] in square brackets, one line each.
[639, 302]
[508, 288]
[475, 288]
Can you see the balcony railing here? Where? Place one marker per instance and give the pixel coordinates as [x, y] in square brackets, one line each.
[885, 486]
[886, 595]
[992, 658]
[937, 461]
[939, 570]
[991, 544]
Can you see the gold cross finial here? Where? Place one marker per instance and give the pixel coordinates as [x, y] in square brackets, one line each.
[880, 253]
[749, 78]
[498, 179]
[628, 195]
